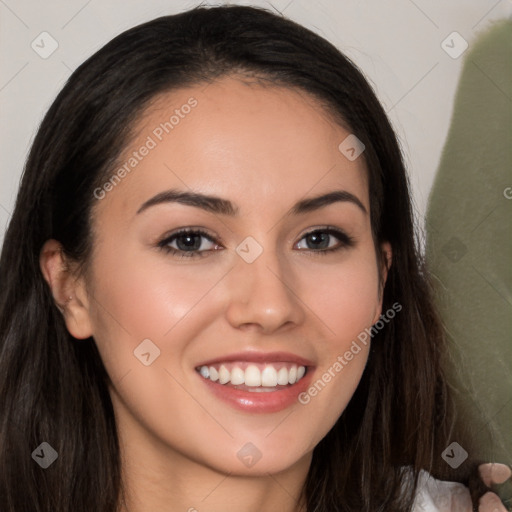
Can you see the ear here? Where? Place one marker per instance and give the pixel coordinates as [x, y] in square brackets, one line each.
[384, 260]
[68, 290]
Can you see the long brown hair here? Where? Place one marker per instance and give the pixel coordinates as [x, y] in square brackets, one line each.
[53, 387]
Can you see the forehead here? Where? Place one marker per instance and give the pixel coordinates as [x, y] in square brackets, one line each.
[250, 143]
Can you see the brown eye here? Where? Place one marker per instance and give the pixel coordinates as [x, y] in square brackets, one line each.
[188, 243]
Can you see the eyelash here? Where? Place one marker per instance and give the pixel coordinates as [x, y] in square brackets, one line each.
[345, 241]
[164, 243]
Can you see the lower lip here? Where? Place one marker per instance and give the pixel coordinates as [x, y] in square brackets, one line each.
[260, 402]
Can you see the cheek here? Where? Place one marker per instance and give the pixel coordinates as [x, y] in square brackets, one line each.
[345, 297]
[134, 301]
[332, 388]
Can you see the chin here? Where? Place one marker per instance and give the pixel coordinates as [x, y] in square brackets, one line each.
[251, 460]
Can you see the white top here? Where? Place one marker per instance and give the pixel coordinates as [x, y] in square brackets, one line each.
[439, 496]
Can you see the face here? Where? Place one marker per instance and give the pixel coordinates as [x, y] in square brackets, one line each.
[232, 272]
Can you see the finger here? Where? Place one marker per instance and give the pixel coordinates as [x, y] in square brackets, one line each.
[490, 502]
[494, 473]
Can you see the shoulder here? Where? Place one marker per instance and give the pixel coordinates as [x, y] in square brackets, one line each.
[439, 496]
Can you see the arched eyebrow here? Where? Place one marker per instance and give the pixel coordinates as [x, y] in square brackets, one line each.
[315, 203]
[221, 206]
[212, 204]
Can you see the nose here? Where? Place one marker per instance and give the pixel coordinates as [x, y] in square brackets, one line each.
[264, 295]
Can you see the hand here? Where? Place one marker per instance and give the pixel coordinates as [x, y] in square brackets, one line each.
[493, 474]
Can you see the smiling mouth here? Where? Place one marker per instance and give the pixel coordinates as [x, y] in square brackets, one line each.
[254, 377]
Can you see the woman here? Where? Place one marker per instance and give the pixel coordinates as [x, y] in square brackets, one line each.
[212, 297]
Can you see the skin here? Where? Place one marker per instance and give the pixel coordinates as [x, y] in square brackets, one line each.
[248, 144]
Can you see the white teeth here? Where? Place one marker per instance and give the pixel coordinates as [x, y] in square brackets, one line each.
[269, 377]
[237, 376]
[292, 375]
[214, 374]
[224, 375]
[282, 376]
[253, 376]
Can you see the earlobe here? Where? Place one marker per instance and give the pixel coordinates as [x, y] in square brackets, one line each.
[68, 291]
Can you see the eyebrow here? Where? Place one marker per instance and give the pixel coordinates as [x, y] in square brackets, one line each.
[209, 203]
[315, 203]
[218, 205]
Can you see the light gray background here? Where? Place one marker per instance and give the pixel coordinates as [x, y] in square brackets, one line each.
[396, 43]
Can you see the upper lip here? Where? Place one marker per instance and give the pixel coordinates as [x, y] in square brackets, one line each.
[259, 357]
